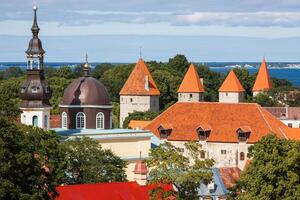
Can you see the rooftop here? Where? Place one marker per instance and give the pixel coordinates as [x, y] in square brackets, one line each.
[191, 82]
[263, 79]
[231, 84]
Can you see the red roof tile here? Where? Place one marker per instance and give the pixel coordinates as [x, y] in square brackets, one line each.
[138, 124]
[223, 118]
[230, 175]
[231, 84]
[263, 80]
[191, 82]
[136, 83]
[109, 191]
[292, 133]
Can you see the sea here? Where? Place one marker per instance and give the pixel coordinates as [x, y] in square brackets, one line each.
[289, 71]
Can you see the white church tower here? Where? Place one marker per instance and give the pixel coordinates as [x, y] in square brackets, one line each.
[139, 92]
[231, 90]
[35, 92]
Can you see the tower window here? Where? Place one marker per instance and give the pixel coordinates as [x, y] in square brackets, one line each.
[191, 96]
[202, 154]
[100, 121]
[131, 100]
[223, 151]
[80, 120]
[34, 90]
[35, 121]
[242, 156]
[290, 125]
[64, 120]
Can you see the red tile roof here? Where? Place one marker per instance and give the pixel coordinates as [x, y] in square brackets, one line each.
[107, 191]
[263, 80]
[138, 124]
[223, 118]
[191, 82]
[231, 84]
[292, 133]
[136, 83]
[230, 175]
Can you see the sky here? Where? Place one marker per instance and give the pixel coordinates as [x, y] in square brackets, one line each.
[114, 30]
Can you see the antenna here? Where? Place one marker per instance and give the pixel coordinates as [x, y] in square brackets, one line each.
[140, 155]
[86, 58]
[141, 51]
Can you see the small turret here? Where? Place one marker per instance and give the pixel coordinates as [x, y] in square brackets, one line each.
[140, 172]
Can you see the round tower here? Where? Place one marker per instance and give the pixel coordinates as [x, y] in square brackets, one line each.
[35, 91]
[140, 172]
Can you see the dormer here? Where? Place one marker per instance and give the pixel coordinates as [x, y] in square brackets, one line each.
[243, 133]
[203, 131]
[164, 131]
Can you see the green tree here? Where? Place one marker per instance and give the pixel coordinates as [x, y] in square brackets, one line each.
[247, 81]
[264, 99]
[115, 78]
[178, 63]
[13, 72]
[100, 69]
[148, 116]
[169, 166]
[32, 163]
[87, 162]
[274, 172]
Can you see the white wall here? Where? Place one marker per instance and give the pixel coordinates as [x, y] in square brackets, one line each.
[42, 113]
[295, 123]
[231, 97]
[129, 104]
[190, 97]
[213, 151]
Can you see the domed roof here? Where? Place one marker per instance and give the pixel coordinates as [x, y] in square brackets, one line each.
[86, 91]
[140, 168]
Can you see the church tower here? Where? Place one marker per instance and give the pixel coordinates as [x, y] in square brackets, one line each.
[263, 80]
[35, 91]
[231, 91]
[139, 92]
[191, 88]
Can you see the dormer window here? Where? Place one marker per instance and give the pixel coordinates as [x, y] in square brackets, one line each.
[243, 133]
[34, 89]
[203, 131]
[164, 131]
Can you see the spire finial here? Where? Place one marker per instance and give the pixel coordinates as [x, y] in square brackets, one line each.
[35, 28]
[140, 155]
[86, 66]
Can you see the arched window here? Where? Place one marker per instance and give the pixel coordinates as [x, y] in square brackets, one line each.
[80, 120]
[46, 121]
[242, 156]
[64, 120]
[35, 121]
[100, 120]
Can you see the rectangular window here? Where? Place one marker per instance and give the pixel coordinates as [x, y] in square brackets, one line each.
[290, 125]
[223, 152]
[181, 150]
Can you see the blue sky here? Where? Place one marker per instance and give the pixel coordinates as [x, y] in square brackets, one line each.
[113, 30]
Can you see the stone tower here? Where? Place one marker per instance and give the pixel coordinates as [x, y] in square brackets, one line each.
[191, 88]
[139, 92]
[35, 91]
[263, 80]
[231, 90]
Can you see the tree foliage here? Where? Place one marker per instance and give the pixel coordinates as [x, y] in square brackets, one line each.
[274, 172]
[186, 172]
[137, 115]
[31, 162]
[87, 162]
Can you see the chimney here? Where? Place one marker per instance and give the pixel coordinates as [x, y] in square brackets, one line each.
[287, 111]
[147, 83]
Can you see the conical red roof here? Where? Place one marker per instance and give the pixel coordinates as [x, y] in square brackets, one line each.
[140, 82]
[140, 168]
[191, 82]
[231, 84]
[263, 80]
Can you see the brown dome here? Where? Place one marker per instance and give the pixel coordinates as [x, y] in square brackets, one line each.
[86, 91]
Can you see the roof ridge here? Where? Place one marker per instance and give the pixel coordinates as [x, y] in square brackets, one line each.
[263, 116]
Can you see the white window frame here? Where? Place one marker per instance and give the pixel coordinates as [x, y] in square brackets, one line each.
[98, 117]
[84, 120]
[64, 120]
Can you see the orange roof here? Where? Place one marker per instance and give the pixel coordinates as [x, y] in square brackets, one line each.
[223, 118]
[231, 84]
[230, 175]
[292, 133]
[191, 81]
[138, 124]
[140, 82]
[263, 80]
